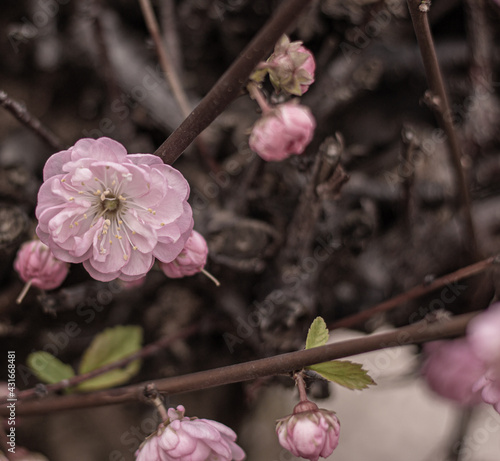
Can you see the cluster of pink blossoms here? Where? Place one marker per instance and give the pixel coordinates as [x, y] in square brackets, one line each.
[467, 370]
[190, 439]
[112, 211]
[287, 128]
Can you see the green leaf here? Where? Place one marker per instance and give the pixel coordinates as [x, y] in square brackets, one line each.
[347, 374]
[317, 334]
[111, 378]
[107, 347]
[48, 368]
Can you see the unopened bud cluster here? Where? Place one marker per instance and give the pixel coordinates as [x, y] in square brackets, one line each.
[287, 128]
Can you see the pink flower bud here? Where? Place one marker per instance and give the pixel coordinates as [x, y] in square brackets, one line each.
[283, 131]
[36, 265]
[190, 439]
[451, 369]
[309, 432]
[291, 67]
[191, 260]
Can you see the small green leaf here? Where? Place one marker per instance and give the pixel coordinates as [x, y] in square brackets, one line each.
[48, 368]
[109, 346]
[317, 334]
[111, 378]
[347, 374]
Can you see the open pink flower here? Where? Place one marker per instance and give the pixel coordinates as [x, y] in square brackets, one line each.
[190, 439]
[283, 131]
[451, 369]
[37, 266]
[309, 432]
[111, 211]
[191, 260]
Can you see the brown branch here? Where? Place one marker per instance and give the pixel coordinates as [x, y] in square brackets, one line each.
[415, 292]
[146, 351]
[23, 115]
[229, 85]
[280, 364]
[442, 110]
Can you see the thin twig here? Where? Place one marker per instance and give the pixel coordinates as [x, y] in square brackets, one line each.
[173, 77]
[146, 351]
[22, 114]
[280, 364]
[164, 57]
[229, 85]
[415, 292]
[169, 26]
[441, 106]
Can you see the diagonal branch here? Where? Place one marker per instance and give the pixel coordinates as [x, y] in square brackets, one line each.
[146, 351]
[280, 364]
[416, 292]
[229, 85]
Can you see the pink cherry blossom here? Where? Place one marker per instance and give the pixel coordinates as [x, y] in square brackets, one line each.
[283, 131]
[111, 211]
[291, 67]
[191, 260]
[309, 432]
[37, 266]
[451, 369]
[190, 439]
[483, 334]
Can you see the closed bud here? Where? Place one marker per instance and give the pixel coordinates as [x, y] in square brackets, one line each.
[37, 266]
[291, 67]
[285, 130]
[309, 432]
[191, 260]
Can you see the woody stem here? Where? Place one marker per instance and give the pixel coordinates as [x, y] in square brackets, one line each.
[301, 385]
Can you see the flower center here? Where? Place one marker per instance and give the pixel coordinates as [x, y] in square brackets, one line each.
[110, 203]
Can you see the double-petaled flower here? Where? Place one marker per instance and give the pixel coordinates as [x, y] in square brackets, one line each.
[112, 211]
[180, 438]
